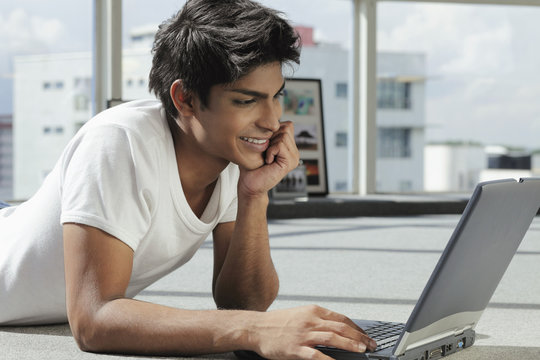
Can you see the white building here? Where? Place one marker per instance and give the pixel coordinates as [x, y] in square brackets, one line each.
[458, 167]
[453, 167]
[400, 122]
[60, 87]
[51, 102]
[6, 157]
[400, 115]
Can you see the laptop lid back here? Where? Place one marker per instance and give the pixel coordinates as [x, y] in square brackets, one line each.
[486, 238]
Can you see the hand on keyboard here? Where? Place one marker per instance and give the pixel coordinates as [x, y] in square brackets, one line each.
[294, 334]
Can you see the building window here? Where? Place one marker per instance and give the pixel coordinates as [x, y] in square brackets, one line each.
[81, 102]
[58, 85]
[405, 185]
[392, 94]
[341, 185]
[82, 93]
[59, 130]
[394, 143]
[341, 90]
[341, 139]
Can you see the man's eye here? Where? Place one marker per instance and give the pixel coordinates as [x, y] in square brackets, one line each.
[244, 102]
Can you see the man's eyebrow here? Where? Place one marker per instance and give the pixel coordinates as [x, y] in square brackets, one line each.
[254, 93]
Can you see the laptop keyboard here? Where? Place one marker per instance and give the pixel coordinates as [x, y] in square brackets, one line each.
[385, 333]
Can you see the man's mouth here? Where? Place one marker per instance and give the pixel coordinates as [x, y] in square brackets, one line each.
[254, 141]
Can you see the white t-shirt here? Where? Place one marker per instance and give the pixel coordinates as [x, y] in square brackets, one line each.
[118, 174]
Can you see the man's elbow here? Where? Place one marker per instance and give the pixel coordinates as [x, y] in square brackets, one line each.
[258, 299]
[265, 296]
[272, 294]
[86, 332]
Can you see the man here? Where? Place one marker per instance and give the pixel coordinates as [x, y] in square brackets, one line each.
[142, 185]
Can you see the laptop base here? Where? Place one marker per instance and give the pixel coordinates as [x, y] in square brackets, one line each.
[436, 350]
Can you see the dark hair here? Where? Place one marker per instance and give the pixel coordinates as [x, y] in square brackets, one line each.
[211, 42]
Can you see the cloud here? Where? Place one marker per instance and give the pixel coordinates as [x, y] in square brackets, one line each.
[499, 110]
[481, 78]
[459, 39]
[21, 32]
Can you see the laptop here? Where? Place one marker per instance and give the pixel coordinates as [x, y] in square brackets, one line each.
[478, 253]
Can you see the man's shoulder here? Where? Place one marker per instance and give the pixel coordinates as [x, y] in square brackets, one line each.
[140, 118]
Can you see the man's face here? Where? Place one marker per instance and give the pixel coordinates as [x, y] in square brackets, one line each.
[241, 117]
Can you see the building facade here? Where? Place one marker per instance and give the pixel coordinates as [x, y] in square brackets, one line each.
[400, 116]
[52, 99]
[459, 167]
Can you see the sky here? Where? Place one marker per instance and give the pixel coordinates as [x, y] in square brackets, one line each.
[482, 75]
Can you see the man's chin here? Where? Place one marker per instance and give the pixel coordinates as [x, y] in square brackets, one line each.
[252, 165]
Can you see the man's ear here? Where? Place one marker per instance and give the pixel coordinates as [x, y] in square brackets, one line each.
[183, 101]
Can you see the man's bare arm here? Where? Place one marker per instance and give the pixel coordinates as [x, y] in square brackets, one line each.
[98, 267]
[244, 275]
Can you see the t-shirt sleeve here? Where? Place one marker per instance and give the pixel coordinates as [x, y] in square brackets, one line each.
[230, 213]
[102, 184]
[231, 175]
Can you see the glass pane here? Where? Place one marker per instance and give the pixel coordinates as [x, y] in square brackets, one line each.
[326, 37]
[45, 73]
[463, 79]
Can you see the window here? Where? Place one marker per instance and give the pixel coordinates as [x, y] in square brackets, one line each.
[405, 185]
[341, 90]
[394, 143]
[46, 53]
[81, 102]
[341, 186]
[392, 94]
[324, 43]
[476, 76]
[480, 72]
[341, 139]
[56, 85]
[82, 88]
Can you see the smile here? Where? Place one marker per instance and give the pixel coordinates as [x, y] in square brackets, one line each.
[252, 140]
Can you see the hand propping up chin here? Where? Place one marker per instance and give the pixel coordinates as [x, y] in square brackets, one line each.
[280, 158]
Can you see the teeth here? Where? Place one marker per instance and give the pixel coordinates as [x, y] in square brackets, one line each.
[251, 140]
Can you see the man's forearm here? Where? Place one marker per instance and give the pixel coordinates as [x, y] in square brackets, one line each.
[248, 279]
[134, 327]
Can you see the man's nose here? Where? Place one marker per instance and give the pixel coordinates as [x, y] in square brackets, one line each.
[271, 115]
